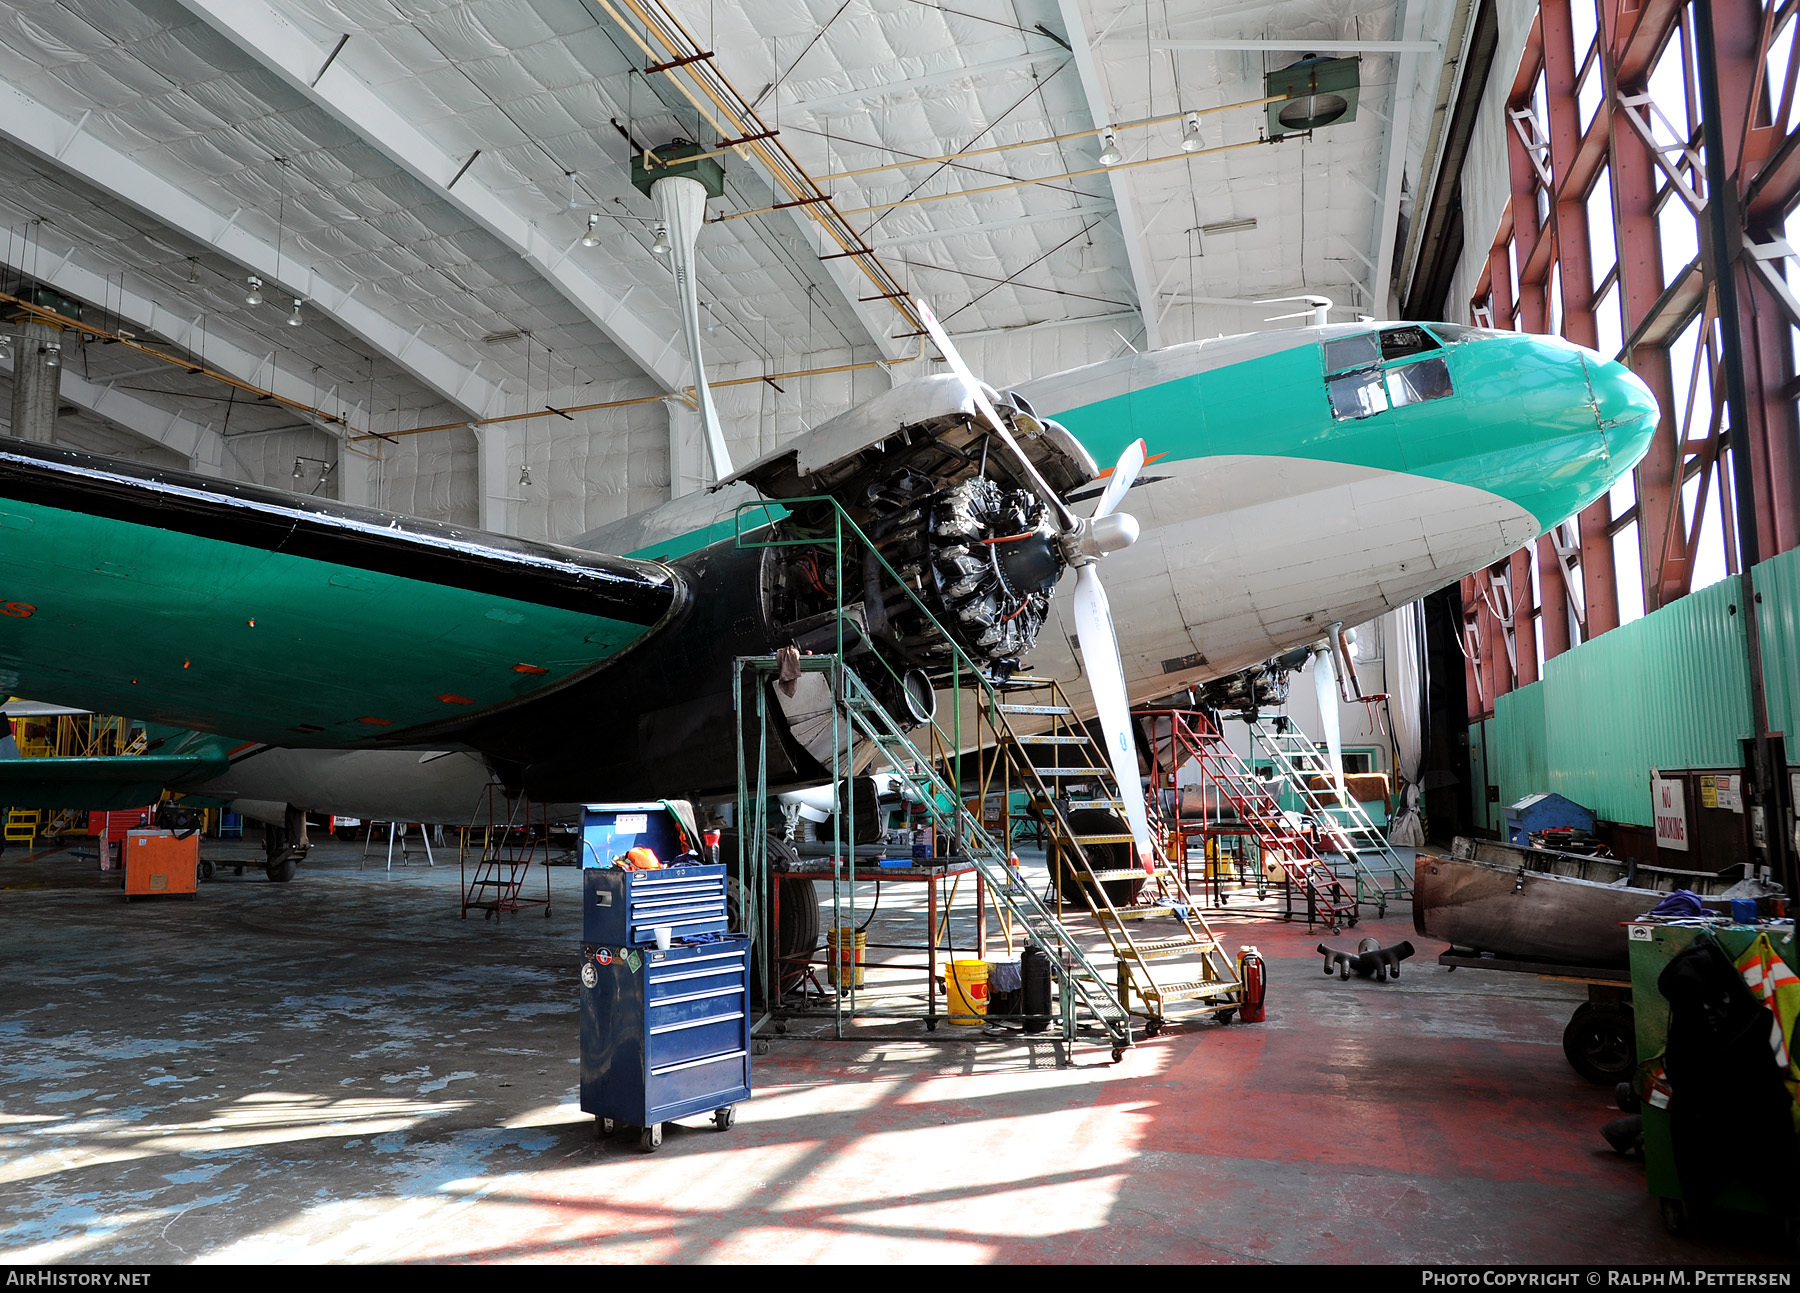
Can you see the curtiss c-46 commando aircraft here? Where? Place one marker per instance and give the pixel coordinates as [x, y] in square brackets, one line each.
[327, 657]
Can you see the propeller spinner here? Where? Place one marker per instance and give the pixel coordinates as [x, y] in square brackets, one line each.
[1085, 542]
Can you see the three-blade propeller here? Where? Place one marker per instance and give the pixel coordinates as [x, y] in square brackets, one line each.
[1085, 542]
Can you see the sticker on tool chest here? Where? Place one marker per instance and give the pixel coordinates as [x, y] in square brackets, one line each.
[603, 956]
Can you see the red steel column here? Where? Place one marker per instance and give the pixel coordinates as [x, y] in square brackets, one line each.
[1524, 631]
[1554, 591]
[1634, 179]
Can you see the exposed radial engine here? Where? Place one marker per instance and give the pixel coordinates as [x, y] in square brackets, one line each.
[946, 516]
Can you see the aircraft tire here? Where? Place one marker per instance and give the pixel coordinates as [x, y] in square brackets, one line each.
[799, 933]
[282, 871]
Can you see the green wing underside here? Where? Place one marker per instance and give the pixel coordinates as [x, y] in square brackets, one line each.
[117, 781]
[256, 615]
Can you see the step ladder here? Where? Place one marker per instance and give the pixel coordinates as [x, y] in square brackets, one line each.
[1380, 873]
[493, 873]
[1282, 841]
[1080, 979]
[1167, 963]
[64, 821]
[1021, 736]
[22, 825]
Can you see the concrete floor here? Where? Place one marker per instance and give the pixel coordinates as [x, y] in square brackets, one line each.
[341, 1069]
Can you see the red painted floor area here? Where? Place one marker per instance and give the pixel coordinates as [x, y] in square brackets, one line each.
[342, 1069]
[1432, 1119]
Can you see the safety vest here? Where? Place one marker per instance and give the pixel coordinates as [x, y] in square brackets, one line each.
[1778, 988]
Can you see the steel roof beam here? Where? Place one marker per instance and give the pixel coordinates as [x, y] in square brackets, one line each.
[1136, 255]
[1393, 162]
[150, 317]
[68, 145]
[198, 443]
[277, 44]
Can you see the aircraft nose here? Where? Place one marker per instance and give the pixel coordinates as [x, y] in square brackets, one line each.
[1624, 408]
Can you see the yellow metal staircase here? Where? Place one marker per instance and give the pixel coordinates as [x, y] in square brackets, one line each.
[1167, 961]
[22, 825]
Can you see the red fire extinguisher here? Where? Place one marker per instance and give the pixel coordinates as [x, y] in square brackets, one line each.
[1250, 974]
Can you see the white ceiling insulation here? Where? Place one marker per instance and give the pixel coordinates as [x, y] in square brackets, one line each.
[420, 173]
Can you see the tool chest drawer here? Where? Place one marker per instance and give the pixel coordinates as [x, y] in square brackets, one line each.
[625, 908]
[665, 1033]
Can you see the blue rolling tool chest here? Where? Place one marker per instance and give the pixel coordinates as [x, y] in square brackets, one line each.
[665, 1033]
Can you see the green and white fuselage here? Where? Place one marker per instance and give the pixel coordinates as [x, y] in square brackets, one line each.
[1297, 479]
[1268, 511]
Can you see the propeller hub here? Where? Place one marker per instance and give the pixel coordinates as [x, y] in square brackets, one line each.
[1093, 539]
[1029, 563]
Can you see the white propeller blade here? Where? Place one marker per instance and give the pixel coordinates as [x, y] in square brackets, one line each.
[1092, 539]
[1124, 476]
[954, 358]
[1106, 679]
[1325, 687]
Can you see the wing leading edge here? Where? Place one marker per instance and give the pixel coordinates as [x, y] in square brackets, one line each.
[246, 611]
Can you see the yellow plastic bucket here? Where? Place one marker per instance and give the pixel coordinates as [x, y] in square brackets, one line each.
[966, 993]
[849, 958]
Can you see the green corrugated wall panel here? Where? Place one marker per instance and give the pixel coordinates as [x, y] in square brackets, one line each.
[1667, 691]
[1478, 777]
[1516, 744]
[1778, 583]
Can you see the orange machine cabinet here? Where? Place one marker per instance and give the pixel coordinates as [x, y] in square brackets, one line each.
[156, 863]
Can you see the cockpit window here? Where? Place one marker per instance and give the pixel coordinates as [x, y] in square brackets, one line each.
[1398, 343]
[1358, 351]
[1452, 334]
[1429, 379]
[1357, 395]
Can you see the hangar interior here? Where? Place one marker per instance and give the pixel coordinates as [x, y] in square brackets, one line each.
[1364, 432]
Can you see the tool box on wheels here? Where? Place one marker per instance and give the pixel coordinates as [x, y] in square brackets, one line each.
[665, 1032]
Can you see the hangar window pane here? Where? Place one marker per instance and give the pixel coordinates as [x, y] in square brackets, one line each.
[1603, 249]
[1668, 88]
[1628, 572]
[1398, 343]
[1585, 23]
[1677, 234]
[1429, 379]
[1588, 93]
[1358, 351]
[1709, 551]
[1607, 326]
[1781, 48]
[1622, 497]
[1357, 395]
